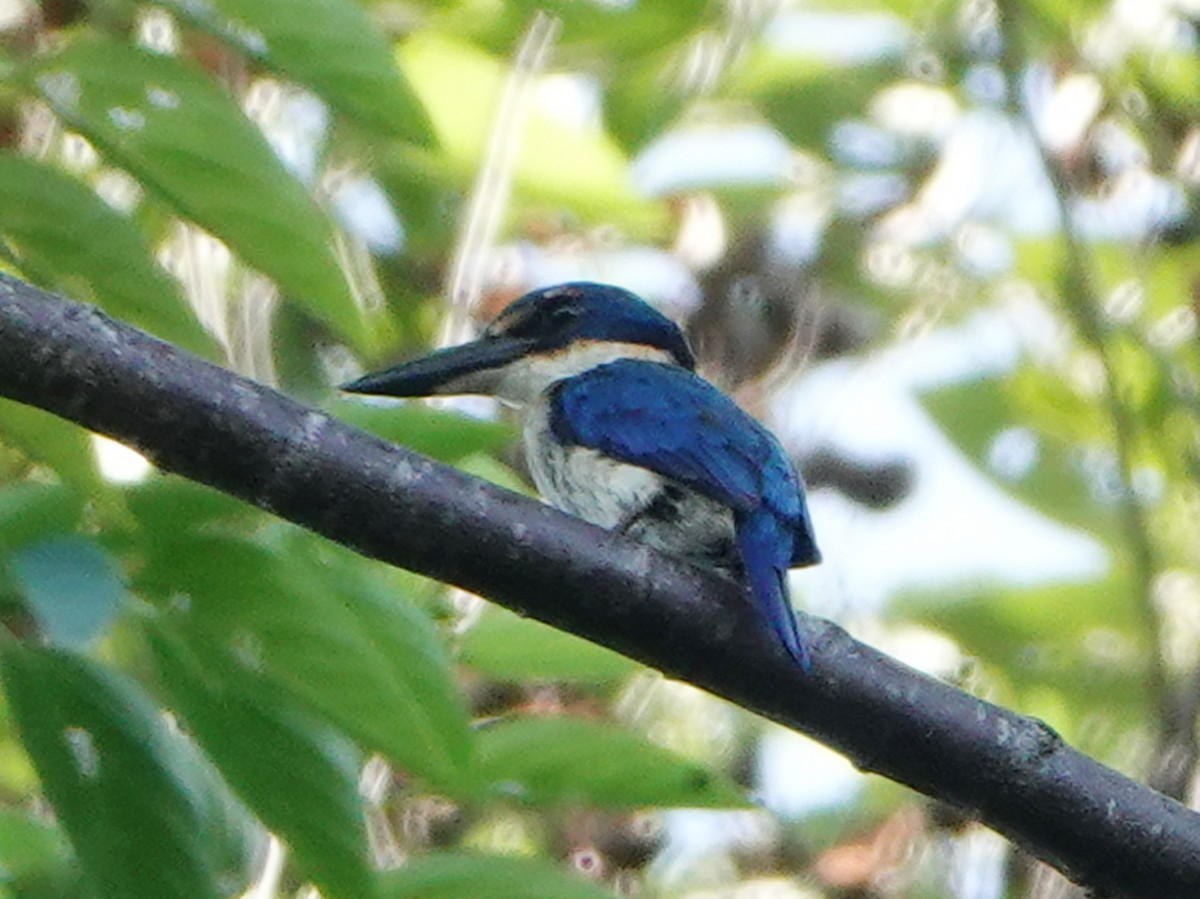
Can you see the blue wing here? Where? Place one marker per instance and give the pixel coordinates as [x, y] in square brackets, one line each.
[668, 420]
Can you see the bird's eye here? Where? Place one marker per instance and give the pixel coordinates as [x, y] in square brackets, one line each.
[541, 322]
[563, 315]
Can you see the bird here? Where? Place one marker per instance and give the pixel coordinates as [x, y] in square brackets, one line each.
[621, 431]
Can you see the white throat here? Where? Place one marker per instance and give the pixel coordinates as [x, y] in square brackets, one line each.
[523, 381]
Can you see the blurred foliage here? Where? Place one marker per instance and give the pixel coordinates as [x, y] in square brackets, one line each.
[282, 186]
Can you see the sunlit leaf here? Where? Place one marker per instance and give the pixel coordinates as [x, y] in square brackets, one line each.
[328, 45]
[70, 585]
[507, 646]
[1048, 24]
[1168, 77]
[587, 29]
[48, 439]
[185, 139]
[291, 768]
[491, 469]
[558, 163]
[71, 232]
[119, 783]
[547, 761]
[371, 664]
[29, 848]
[456, 876]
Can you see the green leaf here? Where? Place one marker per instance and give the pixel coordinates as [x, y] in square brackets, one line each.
[491, 469]
[1077, 650]
[1000, 624]
[506, 646]
[330, 46]
[588, 30]
[170, 507]
[371, 664]
[456, 876]
[976, 414]
[70, 585]
[550, 761]
[445, 436]
[558, 164]
[119, 783]
[805, 98]
[636, 115]
[30, 511]
[28, 847]
[68, 230]
[185, 139]
[298, 775]
[52, 441]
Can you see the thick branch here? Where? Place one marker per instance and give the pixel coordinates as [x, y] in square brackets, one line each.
[207, 424]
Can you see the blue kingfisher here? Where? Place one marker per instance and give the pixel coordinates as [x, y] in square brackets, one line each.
[620, 431]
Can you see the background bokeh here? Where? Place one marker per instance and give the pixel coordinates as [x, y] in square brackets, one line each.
[947, 251]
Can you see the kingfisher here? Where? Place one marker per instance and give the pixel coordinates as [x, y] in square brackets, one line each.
[620, 430]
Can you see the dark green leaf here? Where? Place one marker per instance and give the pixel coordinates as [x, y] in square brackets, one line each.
[68, 230]
[119, 783]
[507, 646]
[329, 45]
[548, 761]
[373, 665]
[172, 506]
[457, 876]
[182, 137]
[30, 511]
[295, 772]
[70, 585]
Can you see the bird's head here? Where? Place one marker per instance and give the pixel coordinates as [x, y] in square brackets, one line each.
[545, 336]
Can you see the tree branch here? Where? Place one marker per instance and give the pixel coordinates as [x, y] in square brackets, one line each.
[205, 423]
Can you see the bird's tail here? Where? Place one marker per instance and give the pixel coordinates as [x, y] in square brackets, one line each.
[766, 548]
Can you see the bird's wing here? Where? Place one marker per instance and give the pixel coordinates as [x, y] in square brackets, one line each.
[670, 421]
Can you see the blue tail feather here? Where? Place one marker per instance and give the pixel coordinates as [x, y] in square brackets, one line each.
[766, 546]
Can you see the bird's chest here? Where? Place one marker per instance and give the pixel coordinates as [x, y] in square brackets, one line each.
[582, 481]
[634, 500]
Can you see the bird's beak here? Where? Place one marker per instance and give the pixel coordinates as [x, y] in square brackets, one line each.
[470, 368]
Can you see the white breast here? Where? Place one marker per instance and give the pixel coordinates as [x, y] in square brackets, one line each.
[612, 495]
[582, 481]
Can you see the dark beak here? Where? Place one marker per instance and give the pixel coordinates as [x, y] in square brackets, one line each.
[457, 369]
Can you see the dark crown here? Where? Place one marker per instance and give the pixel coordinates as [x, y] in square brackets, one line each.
[581, 310]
